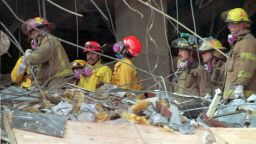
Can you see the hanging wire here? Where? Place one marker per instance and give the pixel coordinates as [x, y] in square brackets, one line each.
[97, 7]
[39, 7]
[110, 26]
[111, 21]
[19, 33]
[173, 25]
[166, 39]
[44, 9]
[64, 9]
[149, 27]
[182, 25]
[77, 31]
[194, 24]
[72, 44]
[177, 16]
[141, 15]
[148, 36]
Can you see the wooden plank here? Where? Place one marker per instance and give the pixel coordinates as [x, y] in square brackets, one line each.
[8, 129]
[236, 135]
[101, 133]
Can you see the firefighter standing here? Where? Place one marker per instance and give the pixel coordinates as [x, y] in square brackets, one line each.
[93, 74]
[241, 64]
[49, 54]
[213, 60]
[124, 74]
[190, 78]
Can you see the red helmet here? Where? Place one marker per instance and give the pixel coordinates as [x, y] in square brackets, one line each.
[92, 46]
[133, 45]
[36, 22]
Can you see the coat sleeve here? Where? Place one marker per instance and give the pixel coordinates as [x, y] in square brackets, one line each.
[43, 53]
[17, 78]
[247, 67]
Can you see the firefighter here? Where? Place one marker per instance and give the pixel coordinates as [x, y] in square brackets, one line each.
[124, 74]
[94, 73]
[190, 78]
[241, 64]
[213, 60]
[49, 54]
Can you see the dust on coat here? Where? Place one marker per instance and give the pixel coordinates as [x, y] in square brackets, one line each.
[52, 60]
[217, 74]
[192, 80]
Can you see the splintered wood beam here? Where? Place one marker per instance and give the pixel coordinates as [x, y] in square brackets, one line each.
[8, 128]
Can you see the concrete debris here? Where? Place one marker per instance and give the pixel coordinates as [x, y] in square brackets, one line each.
[114, 105]
[63, 108]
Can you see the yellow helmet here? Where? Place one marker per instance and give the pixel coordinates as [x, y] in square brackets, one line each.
[235, 15]
[211, 44]
[78, 63]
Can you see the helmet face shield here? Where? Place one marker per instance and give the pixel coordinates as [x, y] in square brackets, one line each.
[118, 47]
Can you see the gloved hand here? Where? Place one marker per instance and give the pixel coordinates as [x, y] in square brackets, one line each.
[78, 73]
[239, 91]
[87, 71]
[27, 52]
[23, 66]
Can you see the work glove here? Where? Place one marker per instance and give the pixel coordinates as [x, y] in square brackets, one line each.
[239, 91]
[23, 66]
[87, 71]
[27, 52]
[78, 73]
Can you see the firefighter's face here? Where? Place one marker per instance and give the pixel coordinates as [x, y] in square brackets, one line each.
[234, 28]
[33, 34]
[92, 58]
[183, 55]
[207, 56]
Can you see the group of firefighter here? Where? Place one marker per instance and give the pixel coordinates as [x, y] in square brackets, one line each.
[235, 73]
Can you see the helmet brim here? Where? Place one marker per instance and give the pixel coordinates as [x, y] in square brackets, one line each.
[96, 49]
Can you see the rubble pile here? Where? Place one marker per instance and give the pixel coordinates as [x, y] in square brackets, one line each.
[114, 105]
